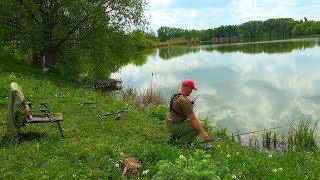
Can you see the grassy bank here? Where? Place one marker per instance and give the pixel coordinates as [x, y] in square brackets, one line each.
[94, 148]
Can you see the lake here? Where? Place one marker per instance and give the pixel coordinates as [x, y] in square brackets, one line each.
[244, 86]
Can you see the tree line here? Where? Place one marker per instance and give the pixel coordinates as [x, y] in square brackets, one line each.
[250, 29]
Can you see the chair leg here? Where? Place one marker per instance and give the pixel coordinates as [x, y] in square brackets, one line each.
[61, 131]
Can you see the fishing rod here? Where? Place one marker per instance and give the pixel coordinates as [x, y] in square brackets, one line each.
[211, 140]
[261, 130]
[250, 132]
[87, 103]
[118, 115]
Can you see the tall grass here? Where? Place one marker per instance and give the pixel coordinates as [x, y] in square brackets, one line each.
[266, 139]
[150, 96]
[151, 100]
[304, 137]
[221, 132]
[145, 98]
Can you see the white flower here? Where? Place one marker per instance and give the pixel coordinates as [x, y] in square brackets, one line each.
[274, 170]
[234, 177]
[280, 169]
[74, 175]
[228, 155]
[270, 156]
[145, 172]
[182, 157]
[117, 165]
[218, 146]
[237, 153]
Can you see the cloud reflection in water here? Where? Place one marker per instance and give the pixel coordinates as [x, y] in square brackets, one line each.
[242, 90]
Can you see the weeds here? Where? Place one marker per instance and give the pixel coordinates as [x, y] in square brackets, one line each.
[207, 125]
[266, 139]
[149, 97]
[144, 99]
[220, 132]
[303, 137]
[275, 140]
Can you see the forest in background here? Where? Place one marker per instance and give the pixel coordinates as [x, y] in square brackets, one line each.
[280, 27]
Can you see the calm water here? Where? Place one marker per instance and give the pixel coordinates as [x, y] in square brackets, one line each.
[244, 86]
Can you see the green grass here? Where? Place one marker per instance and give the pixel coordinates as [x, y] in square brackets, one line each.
[304, 136]
[94, 148]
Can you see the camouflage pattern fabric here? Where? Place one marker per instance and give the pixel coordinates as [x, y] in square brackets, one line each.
[18, 111]
[184, 132]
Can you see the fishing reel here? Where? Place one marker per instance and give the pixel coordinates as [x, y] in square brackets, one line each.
[117, 116]
[192, 103]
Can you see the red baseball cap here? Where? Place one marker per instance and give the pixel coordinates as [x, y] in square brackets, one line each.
[189, 83]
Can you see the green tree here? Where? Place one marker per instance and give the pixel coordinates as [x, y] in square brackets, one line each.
[251, 29]
[307, 28]
[52, 28]
[166, 33]
[225, 31]
[280, 26]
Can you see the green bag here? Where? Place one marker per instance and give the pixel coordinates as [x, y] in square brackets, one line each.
[18, 111]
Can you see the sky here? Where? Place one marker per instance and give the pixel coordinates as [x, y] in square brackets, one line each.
[204, 14]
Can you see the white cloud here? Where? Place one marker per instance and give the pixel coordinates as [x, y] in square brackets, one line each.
[193, 13]
[207, 91]
[230, 13]
[180, 18]
[159, 3]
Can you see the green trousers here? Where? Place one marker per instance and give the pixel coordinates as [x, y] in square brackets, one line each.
[183, 132]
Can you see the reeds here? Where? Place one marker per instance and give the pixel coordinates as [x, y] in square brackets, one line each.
[304, 137]
[150, 96]
[143, 99]
[266, 139]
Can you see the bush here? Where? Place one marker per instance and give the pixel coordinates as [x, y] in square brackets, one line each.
[198, 167]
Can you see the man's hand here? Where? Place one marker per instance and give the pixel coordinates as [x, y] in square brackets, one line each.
[168, 120]
[205, 136]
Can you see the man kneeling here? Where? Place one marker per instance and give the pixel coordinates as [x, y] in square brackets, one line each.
[183, 125]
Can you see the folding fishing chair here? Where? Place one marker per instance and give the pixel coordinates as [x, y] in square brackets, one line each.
[19, 113]
[46, 117]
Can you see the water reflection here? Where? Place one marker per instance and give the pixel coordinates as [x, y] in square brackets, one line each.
[172, 52]
[267, 47]
[280, 46]
[141, 58]
[240, 90]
